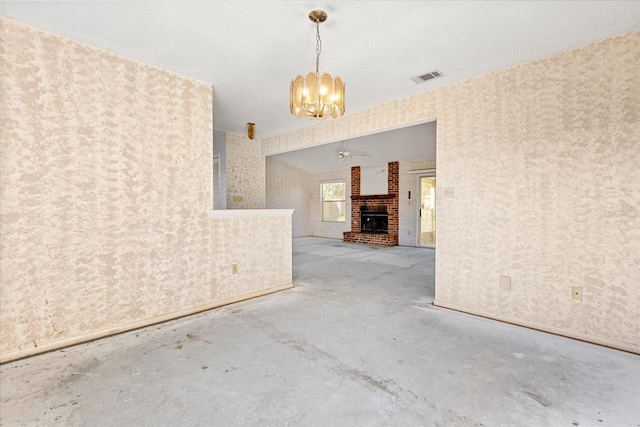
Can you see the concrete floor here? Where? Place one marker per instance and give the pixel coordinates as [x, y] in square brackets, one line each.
[355, 343]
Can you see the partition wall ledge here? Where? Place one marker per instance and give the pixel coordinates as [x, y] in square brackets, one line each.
[227, 213]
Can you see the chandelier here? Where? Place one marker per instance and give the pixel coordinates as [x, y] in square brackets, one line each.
[317, 96]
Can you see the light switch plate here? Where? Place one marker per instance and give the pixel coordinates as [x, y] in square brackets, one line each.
[505, 283]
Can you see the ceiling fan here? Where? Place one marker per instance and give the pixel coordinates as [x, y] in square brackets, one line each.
[344, 154]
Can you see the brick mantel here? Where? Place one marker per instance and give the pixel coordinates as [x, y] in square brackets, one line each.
[389, 201]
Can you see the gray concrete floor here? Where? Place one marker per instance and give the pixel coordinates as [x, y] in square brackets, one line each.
[355, 343]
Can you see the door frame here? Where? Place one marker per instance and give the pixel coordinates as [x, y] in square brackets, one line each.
[215, 178]
[427, 173]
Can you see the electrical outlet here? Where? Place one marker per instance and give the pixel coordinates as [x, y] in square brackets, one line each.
[505, 283]
[449, 193]
[234, 268]
[576, 293]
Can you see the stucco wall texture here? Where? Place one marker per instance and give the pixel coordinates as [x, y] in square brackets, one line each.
[288, 187]
[105, 178]
[543, 162]
[245, 173]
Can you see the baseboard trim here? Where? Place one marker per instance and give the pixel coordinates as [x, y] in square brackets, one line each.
[15, 355]
[592, 339]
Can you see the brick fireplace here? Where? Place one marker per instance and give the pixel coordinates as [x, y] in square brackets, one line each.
[372, 208]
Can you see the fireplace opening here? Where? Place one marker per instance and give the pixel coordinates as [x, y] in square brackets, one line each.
[374, 219]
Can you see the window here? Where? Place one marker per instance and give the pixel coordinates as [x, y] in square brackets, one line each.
[333, 201]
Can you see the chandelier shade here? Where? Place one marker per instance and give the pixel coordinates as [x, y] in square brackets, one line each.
[317, 96]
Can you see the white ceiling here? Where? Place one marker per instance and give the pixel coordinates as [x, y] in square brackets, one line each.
[250, 50]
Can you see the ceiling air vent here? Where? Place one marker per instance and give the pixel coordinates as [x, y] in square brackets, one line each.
[423, 78]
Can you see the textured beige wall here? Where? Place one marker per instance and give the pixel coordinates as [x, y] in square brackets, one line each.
[220, 151]
[408, 209]
[543, 161]
[245, 173]
[287, 187]
[105, 193]
[264, 259]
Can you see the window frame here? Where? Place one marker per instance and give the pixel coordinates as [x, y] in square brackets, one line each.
[343, 201]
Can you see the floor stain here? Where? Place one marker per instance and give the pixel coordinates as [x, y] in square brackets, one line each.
[396, 393]
[194, 337]
[458, 420]
[541, 400]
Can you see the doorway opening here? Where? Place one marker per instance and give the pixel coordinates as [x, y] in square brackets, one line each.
[427, 212]
[216, 183]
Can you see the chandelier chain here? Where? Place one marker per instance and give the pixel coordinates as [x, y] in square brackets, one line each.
[318, 46]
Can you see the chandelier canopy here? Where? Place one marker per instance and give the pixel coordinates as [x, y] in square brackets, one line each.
[317, 96]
